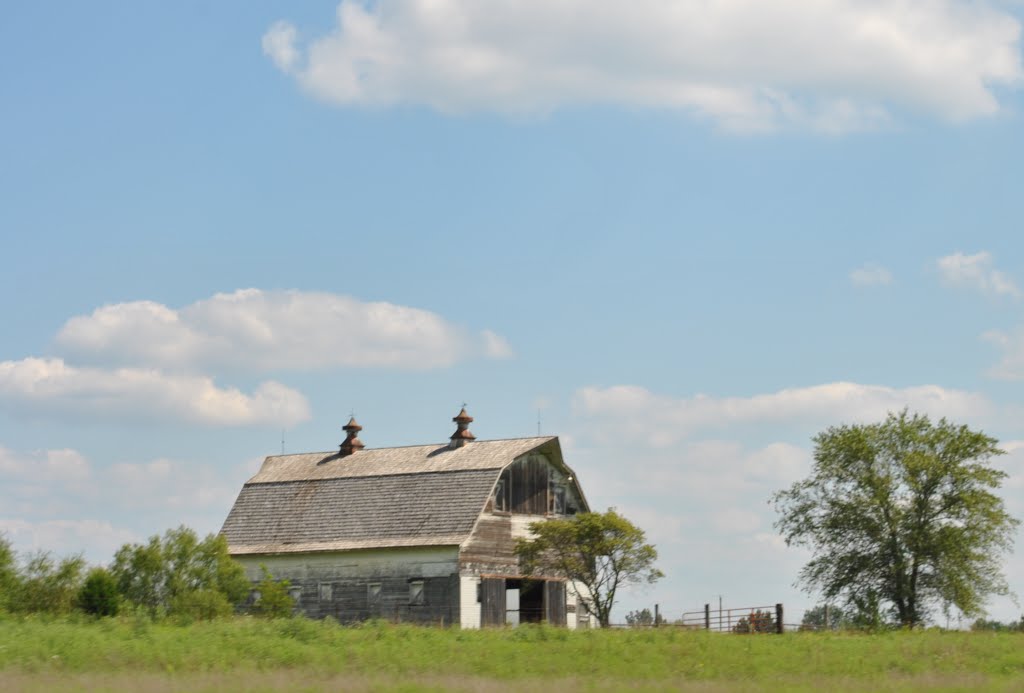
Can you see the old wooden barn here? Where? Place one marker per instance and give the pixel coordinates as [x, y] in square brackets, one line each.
[422, 533]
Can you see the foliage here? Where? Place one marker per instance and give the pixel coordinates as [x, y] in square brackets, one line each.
[642, 618]
[901, 517]
[46, 585]
[179, 574]
[998, 626]
[601, 552]
[8, 573]
[274, 600]
[815, 618]
[99, 595]
[758, 622]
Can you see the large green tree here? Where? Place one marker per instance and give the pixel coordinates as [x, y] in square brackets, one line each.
[600, 552]
[902, 517]
[181, 574]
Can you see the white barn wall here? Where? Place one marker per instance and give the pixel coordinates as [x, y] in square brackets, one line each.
[469, 607]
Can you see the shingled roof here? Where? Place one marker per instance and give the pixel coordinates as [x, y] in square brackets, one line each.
[424, 495]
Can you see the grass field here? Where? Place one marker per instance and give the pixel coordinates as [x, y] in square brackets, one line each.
[297, 654]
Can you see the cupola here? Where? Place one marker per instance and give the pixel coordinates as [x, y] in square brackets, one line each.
[462, 434]
[352, 443]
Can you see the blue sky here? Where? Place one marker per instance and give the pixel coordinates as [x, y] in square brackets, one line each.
[689, 235]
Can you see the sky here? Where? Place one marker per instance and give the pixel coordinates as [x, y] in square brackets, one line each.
[684, 236]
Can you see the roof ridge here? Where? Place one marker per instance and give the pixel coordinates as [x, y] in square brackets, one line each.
[421, 445]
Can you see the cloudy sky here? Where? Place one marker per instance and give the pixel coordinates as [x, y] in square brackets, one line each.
[684, 236]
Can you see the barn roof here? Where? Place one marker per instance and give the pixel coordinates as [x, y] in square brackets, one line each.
[424, 495]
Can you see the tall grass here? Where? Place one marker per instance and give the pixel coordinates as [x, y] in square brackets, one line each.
[384, 656]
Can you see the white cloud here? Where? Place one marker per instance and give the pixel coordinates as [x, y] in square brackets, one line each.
[830, 65]
[51, 386]
[279, 45]
[976, 272]
[254, 329]
[633, 411]
[1011, 344]
[58, 500]
[495, 346]
[871, 274]
[97, 539]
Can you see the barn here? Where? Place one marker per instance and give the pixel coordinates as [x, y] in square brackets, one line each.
[421, 534]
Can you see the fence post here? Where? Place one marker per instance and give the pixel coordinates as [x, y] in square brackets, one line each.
[779, 628]
[707, 617]
[656, 616]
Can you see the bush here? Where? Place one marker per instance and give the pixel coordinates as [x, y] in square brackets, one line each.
[202, 605]
[273, 600]
[99, 595]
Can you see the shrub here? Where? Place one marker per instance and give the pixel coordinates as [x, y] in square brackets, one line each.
[273, 600]
[99, 595]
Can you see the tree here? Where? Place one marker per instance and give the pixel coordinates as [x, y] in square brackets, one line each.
[8, 574]
[901, 517]
[643, 618]
[46, 585]
[179, 574]
[99, 595]
[999, 626]
[815, 618]
[600, 552]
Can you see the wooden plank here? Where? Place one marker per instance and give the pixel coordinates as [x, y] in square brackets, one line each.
[492, 598]
[554, 602]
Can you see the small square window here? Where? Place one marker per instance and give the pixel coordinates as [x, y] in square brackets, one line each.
[296, 594]
[326, 591]
[416, 593]
[373, 593]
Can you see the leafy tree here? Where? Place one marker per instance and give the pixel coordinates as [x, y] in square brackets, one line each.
[600, 552]
[814, 618]
[642, 618]
[99, 595]
[179, 573]
[274, 600]
[46, 585]
[901, 516]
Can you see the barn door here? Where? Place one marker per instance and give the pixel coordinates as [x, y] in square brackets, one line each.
[554, 602]
[492, 602]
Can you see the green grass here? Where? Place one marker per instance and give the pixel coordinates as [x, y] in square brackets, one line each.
[296, 654]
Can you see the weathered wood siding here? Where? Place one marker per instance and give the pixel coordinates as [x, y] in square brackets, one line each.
[492, 602]
[554, 603]
[490, 548]
[370, 584]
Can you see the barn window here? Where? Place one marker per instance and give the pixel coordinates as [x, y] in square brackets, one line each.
[326, 592]
[296, 594]
[373, 593]
[501, 493]
[556, 498]
[416, 593]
